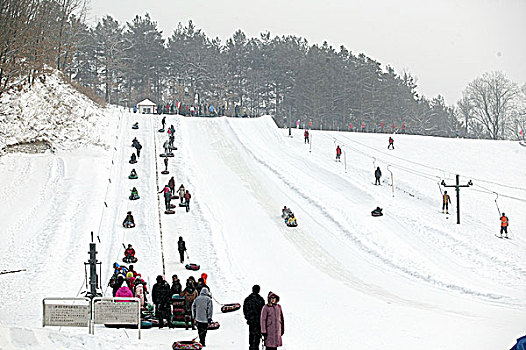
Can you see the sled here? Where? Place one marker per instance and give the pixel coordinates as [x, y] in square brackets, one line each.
[292, 224]
[164, 172]
[175, 197]
[133, 198]
[172, 206]
[183, 204]
[213, 325]
[132, 161]
[169, 211]
[193, 267]
[130, 259]
[187, 345]
[161, 130]
[230, 307]
[133, 177]
[374, 213]
[135, 127]
[170, 154]
[144, 325]
[128, 226]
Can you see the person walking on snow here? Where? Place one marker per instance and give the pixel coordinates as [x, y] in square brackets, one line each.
[181, 192]
[187, 197]
[171, 184]
[306, 136]
[163, 121]
[166, 146]
[391, 143]
[338, 153]
[272, 323]
[161, 298]
[252, 310]
[504, 222]
[167, 196]
[377, 175]
[165, 163]
[446, 200]
[202, 310]
[181, 247]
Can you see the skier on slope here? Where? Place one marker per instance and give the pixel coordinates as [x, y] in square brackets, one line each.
[504, 222]
[306, 136]
[446, 200]
[338, 153]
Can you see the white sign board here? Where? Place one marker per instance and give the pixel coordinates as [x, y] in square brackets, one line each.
[116, 313]
[66, 315]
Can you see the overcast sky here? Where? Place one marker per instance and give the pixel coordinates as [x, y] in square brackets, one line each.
[444, 43]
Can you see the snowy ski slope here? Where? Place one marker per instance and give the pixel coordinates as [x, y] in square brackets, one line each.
[408, 280]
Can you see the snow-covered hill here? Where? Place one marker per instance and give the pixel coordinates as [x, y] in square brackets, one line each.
[411, 279]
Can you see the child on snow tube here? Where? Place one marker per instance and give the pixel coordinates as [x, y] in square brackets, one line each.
[134, 194]
[128, 221]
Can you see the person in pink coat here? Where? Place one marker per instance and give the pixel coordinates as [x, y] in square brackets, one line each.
[272, 323]
[124, 292]
[139, 293]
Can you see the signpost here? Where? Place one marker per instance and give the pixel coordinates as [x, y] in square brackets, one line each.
[66, 313]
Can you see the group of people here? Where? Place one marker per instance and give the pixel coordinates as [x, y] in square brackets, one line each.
[169, 191]
[126, 283]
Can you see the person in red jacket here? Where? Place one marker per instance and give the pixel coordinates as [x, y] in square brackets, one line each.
[306, 136]
[391, 143]
[187, 197]
[129, 251]
[338, 153]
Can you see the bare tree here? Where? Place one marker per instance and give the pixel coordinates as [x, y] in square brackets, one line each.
[492, 98]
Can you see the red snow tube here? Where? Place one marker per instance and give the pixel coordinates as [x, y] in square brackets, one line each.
[193, 267]
[164, 172]
[213, 325]
[169, 211]
[230, 307]
[186, 345]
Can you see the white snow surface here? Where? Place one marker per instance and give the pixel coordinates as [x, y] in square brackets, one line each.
[411, 279]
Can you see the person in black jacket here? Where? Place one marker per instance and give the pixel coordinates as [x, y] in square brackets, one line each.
[181, 247]
[200, 285]
[252, 310]
[377, 175]
[161, 297]
[176, 285]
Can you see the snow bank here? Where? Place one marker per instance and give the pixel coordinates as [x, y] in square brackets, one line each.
[50, 114]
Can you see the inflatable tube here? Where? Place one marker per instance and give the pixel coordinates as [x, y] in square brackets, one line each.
[131, 226]
[130, 260]
[161, 130]
[164, 172]
[186, 345]
[135, 127]
[134, 198]
[175, 197]
[144, 325]
[169, 211]
[376, 214]
[230, 307]
[172, 206]
[132, 162]
[162, 155]
[132, 177]
[213, 325]
[182, 204]
[170, 154]
[292, 225]
[193, 267]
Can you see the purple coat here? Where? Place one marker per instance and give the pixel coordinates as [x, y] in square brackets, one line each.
[272, 323]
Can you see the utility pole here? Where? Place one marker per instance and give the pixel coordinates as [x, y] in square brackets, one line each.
[289, 119]
[457, 188]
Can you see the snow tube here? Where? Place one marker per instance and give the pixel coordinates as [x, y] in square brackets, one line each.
[130, 226]
[133, 177]
[186, 345]
[134, 198]
[162, 155]
[193, 267]
[161, 130]
[182, 204]
[164, 172]
[133, 161]
[169, 154]
[172, 206]
[376, 214]
[129, 259]
[293, 224]
[230, 307]
[135, 127]
[175, 197]
[213, 325]
[169, 211]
